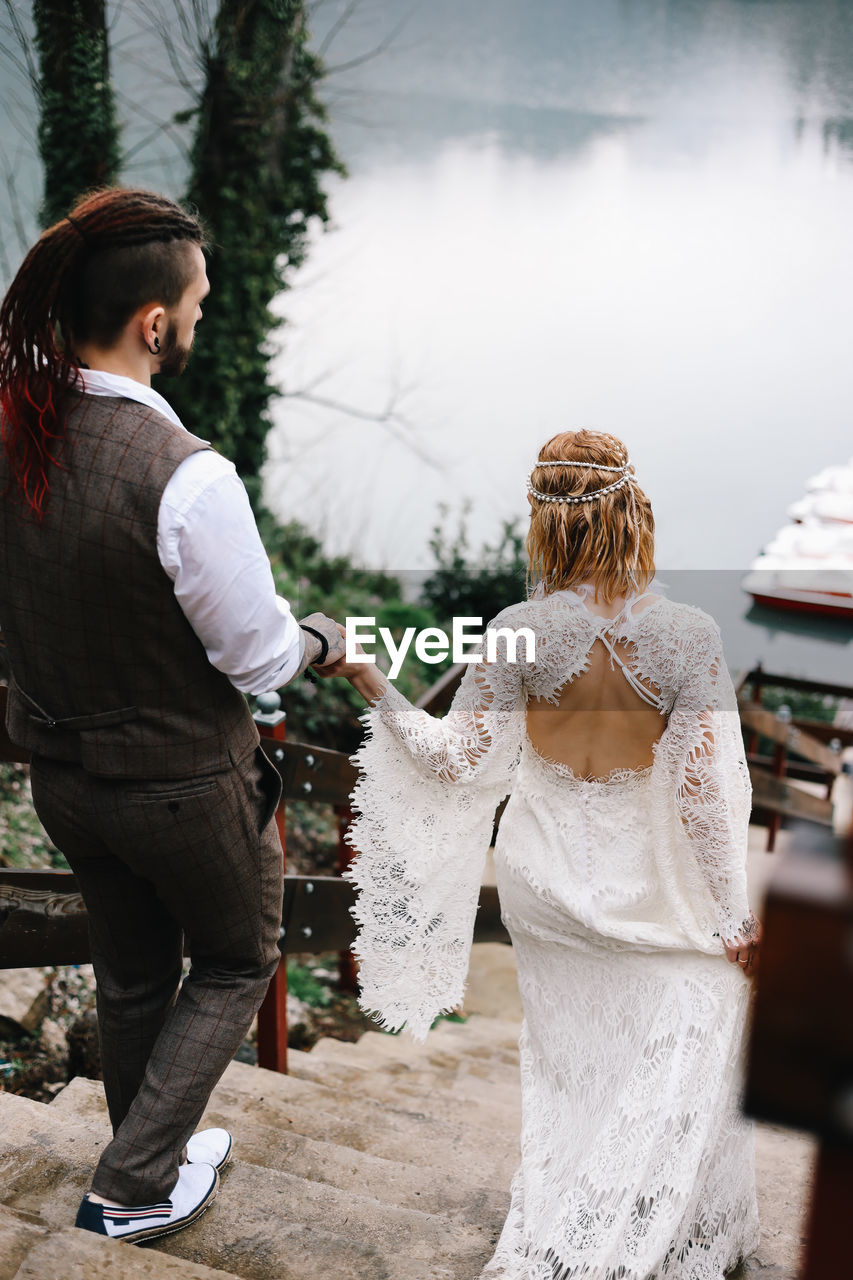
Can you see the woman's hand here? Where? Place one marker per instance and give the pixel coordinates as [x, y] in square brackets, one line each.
[745, 953]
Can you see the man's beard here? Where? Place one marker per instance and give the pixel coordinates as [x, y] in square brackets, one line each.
[173, 357]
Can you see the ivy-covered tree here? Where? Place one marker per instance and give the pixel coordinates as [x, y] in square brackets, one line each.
[260, 153]
[77, 133]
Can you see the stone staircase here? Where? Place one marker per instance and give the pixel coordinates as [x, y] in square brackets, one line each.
[381, 1160]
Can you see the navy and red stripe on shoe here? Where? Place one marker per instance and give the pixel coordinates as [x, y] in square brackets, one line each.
[194, 1192]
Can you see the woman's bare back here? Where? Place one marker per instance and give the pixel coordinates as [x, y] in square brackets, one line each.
[600, 722]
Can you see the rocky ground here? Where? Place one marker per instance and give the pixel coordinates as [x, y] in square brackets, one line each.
[48, 1026]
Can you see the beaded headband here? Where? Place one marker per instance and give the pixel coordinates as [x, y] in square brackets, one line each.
[583, 497]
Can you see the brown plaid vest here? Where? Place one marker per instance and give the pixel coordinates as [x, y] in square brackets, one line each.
[106, 670]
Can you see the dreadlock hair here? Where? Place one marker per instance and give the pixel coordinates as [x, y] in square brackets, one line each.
[609, 540]
[82, 281]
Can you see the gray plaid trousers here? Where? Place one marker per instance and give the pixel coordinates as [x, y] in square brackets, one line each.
[155, 861]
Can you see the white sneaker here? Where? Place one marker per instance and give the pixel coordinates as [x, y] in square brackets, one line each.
[194, 1191]
[210, 1146]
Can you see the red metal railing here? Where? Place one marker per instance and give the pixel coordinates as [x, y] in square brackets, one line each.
[272, 1015]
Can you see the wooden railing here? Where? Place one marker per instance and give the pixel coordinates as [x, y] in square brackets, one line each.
[801, 751]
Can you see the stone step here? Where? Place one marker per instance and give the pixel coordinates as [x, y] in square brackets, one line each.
[482, 1090]
[37, 1143]
[473, 1107]
[499, 1033]
[79, 1255]
[264, 1222]
[496, 1037]
[18, 1235]
[492, 986]
[268, 1223]
[395, 1133]
[432, 1190]
[435, 1190]
[328, 1114]
[377, 1048]
[82, 1101]
[42, 1152]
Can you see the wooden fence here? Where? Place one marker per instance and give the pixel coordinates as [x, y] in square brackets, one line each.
[801, 750]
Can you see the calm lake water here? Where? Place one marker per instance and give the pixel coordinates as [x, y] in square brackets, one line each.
[632, 215]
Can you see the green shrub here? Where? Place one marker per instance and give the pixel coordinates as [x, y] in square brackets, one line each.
[302, 984]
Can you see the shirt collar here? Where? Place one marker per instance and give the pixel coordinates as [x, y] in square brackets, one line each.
[97, 382]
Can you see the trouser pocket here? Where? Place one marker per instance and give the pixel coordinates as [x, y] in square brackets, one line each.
[270, 784]
[171, 791]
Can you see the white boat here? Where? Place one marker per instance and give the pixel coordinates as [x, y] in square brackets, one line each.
[815, 541]
[807, 567]
[833, 506]
[832, 480]
[794, 589]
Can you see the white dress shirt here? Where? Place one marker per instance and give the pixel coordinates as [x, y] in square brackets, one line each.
[208, 544]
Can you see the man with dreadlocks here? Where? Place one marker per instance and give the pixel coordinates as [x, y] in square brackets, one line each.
[138, 606]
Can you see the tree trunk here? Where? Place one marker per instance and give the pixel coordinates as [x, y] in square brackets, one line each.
[259, 154]
[78, 134]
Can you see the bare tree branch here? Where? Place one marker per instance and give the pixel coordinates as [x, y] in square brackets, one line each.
[19, 64]
[155, 133]
[389, 418]
[118, 9]
[19, 113]
[28, 65]
[341, 22]
[194, 29]
[337, 26]
[159, 127]
[18, 222]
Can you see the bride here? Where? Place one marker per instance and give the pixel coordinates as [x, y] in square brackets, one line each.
[621, 871]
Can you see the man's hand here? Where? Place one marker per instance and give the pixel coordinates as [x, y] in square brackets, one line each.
[340, 666]
[331, 633]
[365, 677]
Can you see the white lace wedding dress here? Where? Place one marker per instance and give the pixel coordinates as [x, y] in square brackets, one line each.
[635, 1161]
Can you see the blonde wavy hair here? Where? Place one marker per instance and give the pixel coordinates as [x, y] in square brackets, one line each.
[609, 541]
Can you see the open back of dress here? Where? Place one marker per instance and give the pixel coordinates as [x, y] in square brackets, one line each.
[606, 716]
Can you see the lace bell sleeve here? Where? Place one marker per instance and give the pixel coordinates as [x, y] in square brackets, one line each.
[425, 801]
[713, 792]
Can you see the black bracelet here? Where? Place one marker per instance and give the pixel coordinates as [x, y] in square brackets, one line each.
[324, 644]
